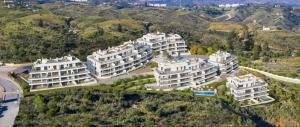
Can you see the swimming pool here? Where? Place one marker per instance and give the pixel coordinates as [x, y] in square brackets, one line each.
[205, 93]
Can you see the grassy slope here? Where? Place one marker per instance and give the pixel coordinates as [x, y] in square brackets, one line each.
[279, 40]
[107, 107]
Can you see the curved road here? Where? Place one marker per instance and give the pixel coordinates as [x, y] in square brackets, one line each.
[277, 77]
[10, 107]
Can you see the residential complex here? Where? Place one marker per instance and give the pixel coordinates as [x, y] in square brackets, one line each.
[59, 72]
[224, 61]
[182, 71]
[119, 60]
[248, 87]
[171, 43]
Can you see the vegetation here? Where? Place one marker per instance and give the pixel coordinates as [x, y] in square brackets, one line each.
[99, 106]
[119, 105]
[153, 64]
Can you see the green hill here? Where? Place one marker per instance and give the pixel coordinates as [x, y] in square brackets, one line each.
[278, 17]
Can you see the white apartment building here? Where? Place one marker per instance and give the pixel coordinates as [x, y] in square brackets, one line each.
[224, 61]
[248, 87]
[172, 43]
[183, 71]
[119, 60]
[59, 72]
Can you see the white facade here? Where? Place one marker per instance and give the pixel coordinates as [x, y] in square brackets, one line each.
[247, 87]
[119, 60]
[224, 61]
[59, 72]
[172, 43]
[183, 71]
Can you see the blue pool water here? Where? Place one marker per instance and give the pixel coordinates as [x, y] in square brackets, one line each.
[206, 93]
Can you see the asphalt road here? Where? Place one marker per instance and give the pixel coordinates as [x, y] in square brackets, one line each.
[277, 77]
[10, 108]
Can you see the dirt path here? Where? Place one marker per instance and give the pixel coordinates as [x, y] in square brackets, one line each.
[277, 77]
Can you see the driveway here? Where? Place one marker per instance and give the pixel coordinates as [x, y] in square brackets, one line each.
[10, 106]
[277, 77]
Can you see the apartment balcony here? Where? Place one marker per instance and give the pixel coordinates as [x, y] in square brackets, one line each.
[185, 80]
[43, 71]
[181, 45]
[235, 66]
[168, 78]
[37, 81]
[185, 75]
[210, 72]
[210, 77]
[82, 77]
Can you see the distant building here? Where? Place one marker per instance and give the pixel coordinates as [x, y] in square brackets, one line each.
[183, 71]
[266, 28]
[119, 60]
[79, 0]
[8, 3]
[230, 5]
[156, 5]
[59, 72]
[248, 87]
[224, 61]
[171, 43]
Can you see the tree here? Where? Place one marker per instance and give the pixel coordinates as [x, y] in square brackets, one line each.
[256, 51]
[120, 28]
[39, 104]
[40, 23]
[196, 50]
[153, 64]
[210, 50]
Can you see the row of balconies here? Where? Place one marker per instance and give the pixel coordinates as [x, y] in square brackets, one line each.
[246, 97]
[58, 80]
[56, 74]
[59, 76]
[124, 69]
[123, 60]
[249, 92]
[243, 87]
[130, 63]
[63, 69]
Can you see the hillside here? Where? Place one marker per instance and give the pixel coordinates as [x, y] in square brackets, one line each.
[269, 16]
[217, 2]
[53, 30]
[115, 106]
